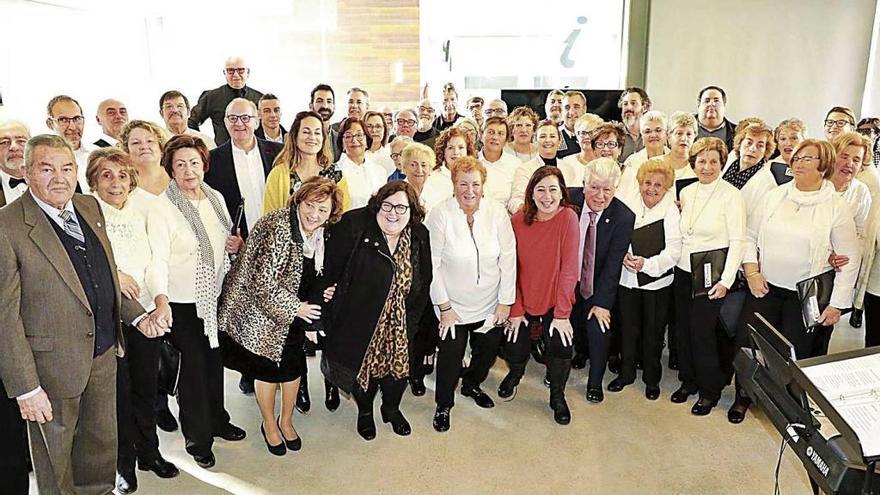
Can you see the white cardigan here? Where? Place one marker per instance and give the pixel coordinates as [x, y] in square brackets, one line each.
[474, 268]
[667, 211]
[499, 177]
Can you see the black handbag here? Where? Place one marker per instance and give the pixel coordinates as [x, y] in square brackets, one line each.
[169, 367]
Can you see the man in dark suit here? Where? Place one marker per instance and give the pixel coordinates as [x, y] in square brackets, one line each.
[112, 117]
[212, 103]
[61, 303]
[574, 104]
[606, 228]
[269, 108]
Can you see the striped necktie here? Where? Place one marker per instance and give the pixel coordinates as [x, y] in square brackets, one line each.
[71, 227]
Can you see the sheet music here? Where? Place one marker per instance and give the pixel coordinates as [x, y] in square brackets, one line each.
[852, 386]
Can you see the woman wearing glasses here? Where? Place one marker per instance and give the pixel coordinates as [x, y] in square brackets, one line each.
[572, 166]
[548, 139]
[522, 123]
[363, 175]
[788, 134]
[378, 130]
[379, 259]
[652, 126]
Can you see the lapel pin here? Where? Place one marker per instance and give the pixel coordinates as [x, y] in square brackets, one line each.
[607, 220]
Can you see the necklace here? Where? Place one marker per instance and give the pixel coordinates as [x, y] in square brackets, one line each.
[695, 218]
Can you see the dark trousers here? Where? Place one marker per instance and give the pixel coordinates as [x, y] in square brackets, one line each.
[698, 346]
[671, 332]
[517, 353]
[200, 386]
[484, 348]
[392, 393]
[641, 329]
[424, 341]
[13, 446]
[136, 390]
[872, 320]
[590, 339]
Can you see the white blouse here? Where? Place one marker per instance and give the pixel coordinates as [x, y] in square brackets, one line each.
[499, 177]
[437, 188]
[474, 267]
[656, 265]
[713, 216]
[172, 270]
[521, 178]
[363, 180]
[629, 176]
[127, 230]
[572, 170]
[858, 197]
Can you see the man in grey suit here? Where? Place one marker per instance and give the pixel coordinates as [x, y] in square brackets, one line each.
[62, 310]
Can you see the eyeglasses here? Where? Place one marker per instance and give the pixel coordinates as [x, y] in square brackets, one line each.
[489, 112]
[233, 119]
[348, 137]
[66, 121]
[582, 134]
[399, 209]
[426, 109]
[610, 145]
[837, 123]
[395, 156]
[236, 70]
[805, 159]
[865, 131]
[406, 122]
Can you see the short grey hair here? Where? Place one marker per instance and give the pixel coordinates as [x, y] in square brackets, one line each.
[502, 102]
[407, 109]
[401, 139]
[241, 100]
[652, 116]
[48, 140]
[602, 169]
[681, 119]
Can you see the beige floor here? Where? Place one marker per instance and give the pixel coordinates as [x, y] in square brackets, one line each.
[626, 445]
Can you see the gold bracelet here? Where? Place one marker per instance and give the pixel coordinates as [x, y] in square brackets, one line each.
[753, 274]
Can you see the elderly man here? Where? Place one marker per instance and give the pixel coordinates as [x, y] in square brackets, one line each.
[322, 101]
[112, 117]
[212, 103]
[269, 108]
[633, 103]
[495, 108]
[65, 118]
[358, 102]
[13, 136]
[553, 106]
[406, 122]
[426, 133]
[475, 107]
[711, 107]
[62, 304]
[388, 115]
[574, 104]
[174, 109]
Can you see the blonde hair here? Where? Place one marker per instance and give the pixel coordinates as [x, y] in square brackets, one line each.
[755, 129]
[708, 144]
[681, 119]
[587, 121]
[794, 124]
[414, 151]
[844, 139]
[160, 133]
[657, 165]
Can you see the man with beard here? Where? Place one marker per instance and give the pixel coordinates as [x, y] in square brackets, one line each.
[269, 110]
[574, 104]
[112, 117]
[212, 103]
[553, 106]
[323, 102]
[711, 107]
[426, 132]
[174, 109]
[633, 103]
[65, 118]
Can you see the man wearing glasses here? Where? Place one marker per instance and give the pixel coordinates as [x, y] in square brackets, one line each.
[495, 108]
[212, 103]
[711, 107]
[837, 121]
[405, 122]
[65, 118]
[426, 133]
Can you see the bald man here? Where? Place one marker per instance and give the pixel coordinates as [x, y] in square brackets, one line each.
[13, 136]
[212, 103]
[112, 117]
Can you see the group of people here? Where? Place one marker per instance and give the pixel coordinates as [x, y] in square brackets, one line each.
[390, 241]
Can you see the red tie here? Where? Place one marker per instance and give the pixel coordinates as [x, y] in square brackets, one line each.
[589, 263]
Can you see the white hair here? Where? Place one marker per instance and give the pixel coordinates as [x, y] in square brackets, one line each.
[241, 100]
[681, 119]
[652, 116]
[603, 169]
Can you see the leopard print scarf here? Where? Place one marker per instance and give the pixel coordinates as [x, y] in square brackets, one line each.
[388, 351]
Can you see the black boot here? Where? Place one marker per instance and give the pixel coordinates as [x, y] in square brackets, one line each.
[507, 389]
[331, 396]
[303, 400]
[366, 425]
[559, 370]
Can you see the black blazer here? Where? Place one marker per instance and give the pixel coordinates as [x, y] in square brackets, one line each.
[568, 145]
[613, 234]
[221, 173]
[261, 133]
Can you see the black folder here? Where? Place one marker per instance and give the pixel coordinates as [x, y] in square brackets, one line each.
[706, 269]
[781, 173]
[239, 215]
[814, 295]
[681, 184]
[648, 241]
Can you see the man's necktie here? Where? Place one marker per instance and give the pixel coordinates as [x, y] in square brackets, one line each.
[71, 227]
[587, 267]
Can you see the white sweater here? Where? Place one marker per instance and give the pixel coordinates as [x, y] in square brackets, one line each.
[363, 180]
[656, 265]
[474, 268]
[572, 170]
[127, 230]
[858, 197]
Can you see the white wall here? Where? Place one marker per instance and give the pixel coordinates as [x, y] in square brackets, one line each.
[774, 58]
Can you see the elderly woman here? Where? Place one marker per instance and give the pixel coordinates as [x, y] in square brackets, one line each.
[548, 144]
[522, 123]
[396, 148]
[799, 226]
[546, 232]
[379, 132]
[418, 162]
[189, 237]
[787, 135]
[853, 152]
[264, 309]
[379, 259]
[363, 176]
[681, 134]
[572, 166]
[143, 141]
[713, 217]
[112, 177]
[472, 130]
[652, 126]
[474, 259]
[754, 145]
[647, 298]
[306, 154]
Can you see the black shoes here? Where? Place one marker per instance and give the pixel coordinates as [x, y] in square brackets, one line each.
[417, 385]
[595, 395]
[480, 397]
[703, 407]
[205, 461]
[616, 385]
[165, 421]
[614, 364]
[331, 396]
[855, 319]
[737, 412]
[507, 388]
[579, 361]
[246, 385]
[231, 433]
[673, 361]
[441, 419]
[126, 483]
[293, 445]
[398, 423]
[160, 467]
[561, 413]
[681, 395]
[303, 400]
[366, 426]
[652, 393]
[279, 449]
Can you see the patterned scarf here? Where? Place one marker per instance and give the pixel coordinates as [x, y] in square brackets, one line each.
[206, 287]
[388, 351]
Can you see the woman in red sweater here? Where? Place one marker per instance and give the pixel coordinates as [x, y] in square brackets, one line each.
[546, 230]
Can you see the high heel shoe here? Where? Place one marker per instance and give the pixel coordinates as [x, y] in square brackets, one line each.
[293, 445]
[279, 449]
[398, 422]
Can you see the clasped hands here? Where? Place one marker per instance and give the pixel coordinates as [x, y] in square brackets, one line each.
[158, 323]
[634, 264]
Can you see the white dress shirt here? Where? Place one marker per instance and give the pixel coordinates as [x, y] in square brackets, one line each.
[629, 182]
[474, 267]
[437, 189]
[112, 141]
[363, 180]
[82, 162]
[662, 262]
[204, 137]
[251, 180]
[499, 177]
[11, 193]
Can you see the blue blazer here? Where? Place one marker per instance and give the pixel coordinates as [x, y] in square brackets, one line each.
[613, 233]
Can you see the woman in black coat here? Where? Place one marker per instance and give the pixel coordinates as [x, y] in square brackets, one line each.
[379, 259]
